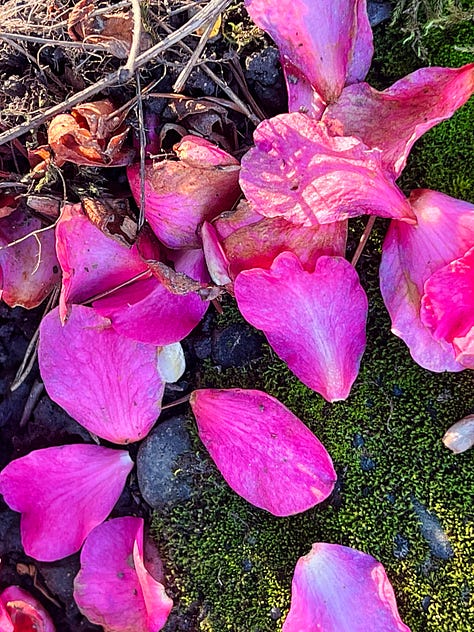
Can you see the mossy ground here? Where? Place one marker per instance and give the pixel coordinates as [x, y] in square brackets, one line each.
[238, 561]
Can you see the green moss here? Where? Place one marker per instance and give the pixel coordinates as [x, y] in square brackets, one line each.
[230, 564]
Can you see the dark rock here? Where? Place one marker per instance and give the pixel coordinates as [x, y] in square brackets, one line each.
[165, 465]
[275, 613]
[391, 498]
[366, 463]
[397, 391]
[433, 532]
[265, 77]
[202, 347]
[198, 81]
[59, 578]
[401, 547]
[247, 565]
[425, 603]
[236, 345]
[10, 541]
[357, 441]
[378, 11]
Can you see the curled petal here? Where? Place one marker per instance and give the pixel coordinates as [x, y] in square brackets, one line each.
[62, 494]
[29, 269]
[339, 589]
[92, 263]
[24, 611]
[410, 255]
[109, 383]
[307, 320]
[114, 588]
[447, 307]
[179, 196]
[265, 453]
[394, 119]
[460, 436]
[171, 362]
[329, 42]
[216, 260]
[298, 171]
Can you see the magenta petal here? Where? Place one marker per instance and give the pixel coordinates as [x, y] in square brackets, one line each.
[6, 624]
[338, 589]
[314, 321]
[147, 312]
[29, 269]
[410, 255]
[392, 120]
[298, 171]
[179, 196]
[447, 306]
[266, 454]
[62, 494]
[26, 612]
[109, 383]
[329, 41]
[92, 263]
[113, 588]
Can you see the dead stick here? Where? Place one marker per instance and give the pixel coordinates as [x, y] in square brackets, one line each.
[363, 240]
[207, 13]
[137, 33]
[184, 74]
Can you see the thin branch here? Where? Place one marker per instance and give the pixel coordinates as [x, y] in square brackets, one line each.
[142, 140]
[184, 74]
[210, 11]
[45, 41]
[137, 33]
[363, 240]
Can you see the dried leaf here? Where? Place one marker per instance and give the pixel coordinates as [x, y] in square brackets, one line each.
[90, 135]
[113, 217]
[45, 205]
[113, 30]
[460, 437]
[209, 120]
[8, 204]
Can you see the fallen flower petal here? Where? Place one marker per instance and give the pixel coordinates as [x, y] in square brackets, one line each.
[22, 612]
[266, 454]
[90, 135]
[114, 587]
[179, 196]
[394, 119]
[306, 318]
[447, 306]
[460, 437]
[62, 494]
[410, 255]
[110, 384]
[330, 41]
[29, 269]
[171, 362]
[339, 589]
[298, 171]
[92, 263]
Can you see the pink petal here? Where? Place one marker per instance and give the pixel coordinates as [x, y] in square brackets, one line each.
[392, 120]
[298, 171]
[265, 453]
[410, 255]
[330, 42]
[230, 221]
[257, 246]
[109, 383]
[113, 588]
[315, 321]
[447, 307]
[179, 196]
[147, 312]
[216, 260]
[92, 263]
[26, 613]
[338, 589]
[62, 494]
[29, 269]
[6, 624]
